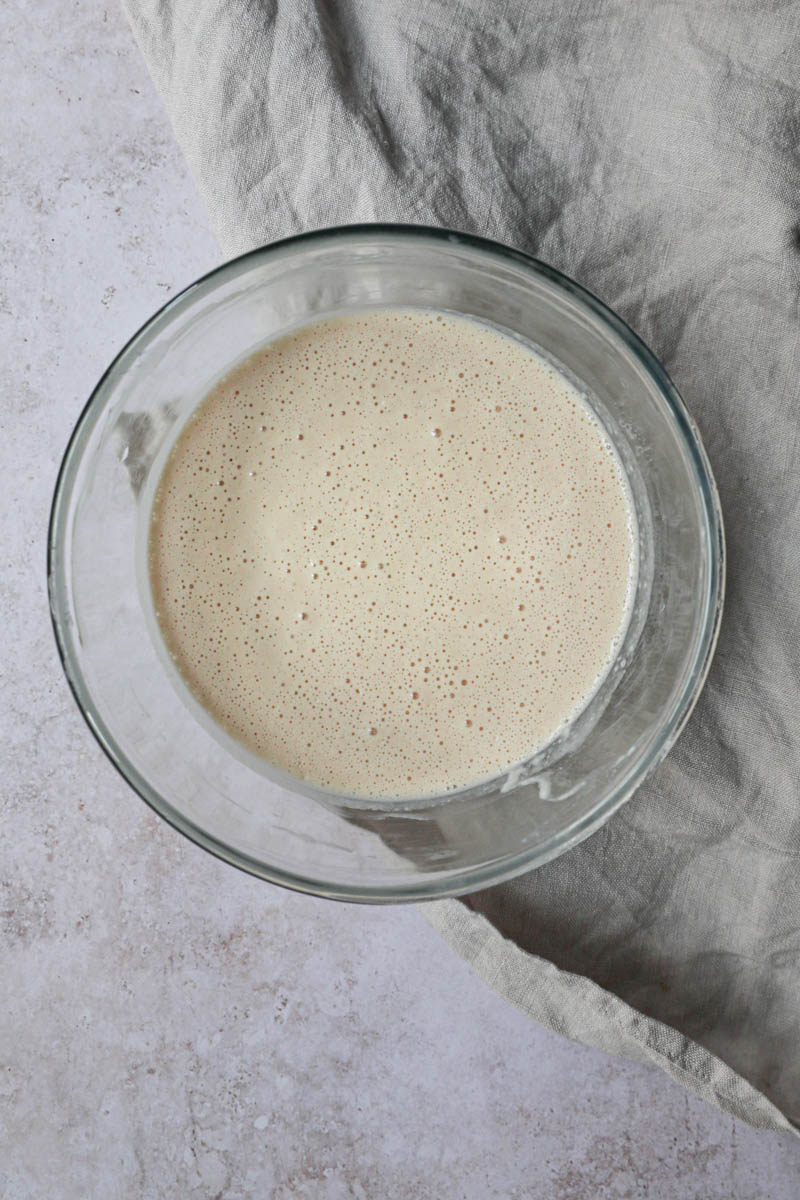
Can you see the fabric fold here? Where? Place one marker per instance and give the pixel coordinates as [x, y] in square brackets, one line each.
[576, 1008]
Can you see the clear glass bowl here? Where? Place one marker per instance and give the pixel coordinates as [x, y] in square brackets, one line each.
[280, 828]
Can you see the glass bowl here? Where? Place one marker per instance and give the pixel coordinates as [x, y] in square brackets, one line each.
[280, 828]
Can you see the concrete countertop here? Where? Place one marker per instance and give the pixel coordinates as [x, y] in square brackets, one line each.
[168, 1026]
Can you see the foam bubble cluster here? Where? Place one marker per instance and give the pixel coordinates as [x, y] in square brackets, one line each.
[391, 553]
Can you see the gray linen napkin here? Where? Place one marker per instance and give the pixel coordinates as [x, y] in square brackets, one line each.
[651, 150]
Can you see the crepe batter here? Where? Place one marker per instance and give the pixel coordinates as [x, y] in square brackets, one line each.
[392, 553]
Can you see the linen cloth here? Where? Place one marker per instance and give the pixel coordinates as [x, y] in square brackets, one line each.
[652, 151]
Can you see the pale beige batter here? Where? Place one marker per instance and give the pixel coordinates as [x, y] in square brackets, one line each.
[392, 553]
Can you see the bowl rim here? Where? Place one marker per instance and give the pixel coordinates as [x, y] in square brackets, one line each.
[473, 878]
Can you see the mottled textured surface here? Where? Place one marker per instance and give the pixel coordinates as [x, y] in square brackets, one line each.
[169, 1027]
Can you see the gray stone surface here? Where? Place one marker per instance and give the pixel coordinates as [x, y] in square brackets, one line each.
[169, 1027]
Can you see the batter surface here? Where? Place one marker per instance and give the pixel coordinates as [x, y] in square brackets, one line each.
[392, 553]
